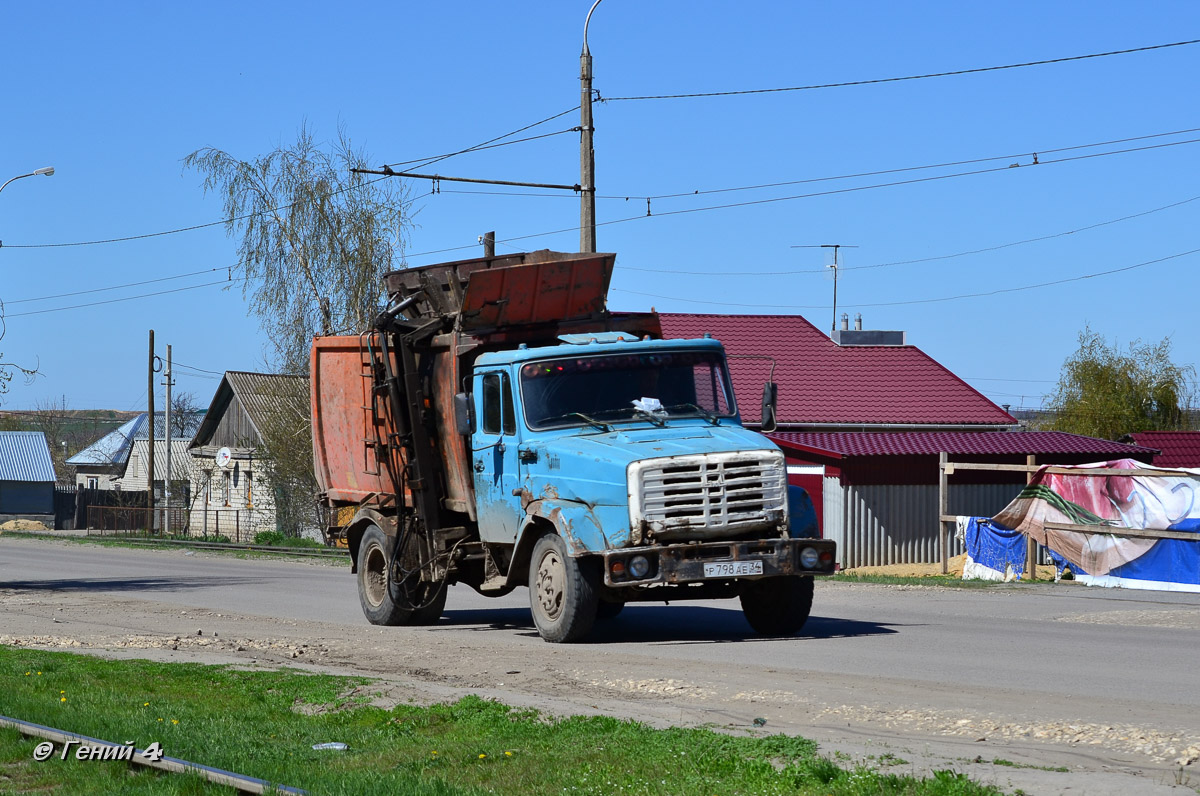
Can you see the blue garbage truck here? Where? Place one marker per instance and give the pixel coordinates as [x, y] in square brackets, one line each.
[499, 427]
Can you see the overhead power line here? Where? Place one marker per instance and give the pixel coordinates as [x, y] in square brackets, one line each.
[875, 81]
[175, 231]
[492, 143]
[831, 192]
[981, 294]
[825, 270]
[116, 300]
[193, 367]
[194, 227]
[949, 164]
[834, 178]
[117, 287]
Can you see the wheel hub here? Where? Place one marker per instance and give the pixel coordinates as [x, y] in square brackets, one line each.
[375, 576]
[551, 581]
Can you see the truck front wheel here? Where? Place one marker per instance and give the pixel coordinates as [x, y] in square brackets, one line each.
[563, 591]
[382, 602]
[777, 606]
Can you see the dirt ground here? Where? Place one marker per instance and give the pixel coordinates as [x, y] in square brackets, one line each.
[23, 525]
[894, 725]
[1044, 572]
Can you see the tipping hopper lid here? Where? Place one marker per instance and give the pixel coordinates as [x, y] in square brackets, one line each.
[540, 292]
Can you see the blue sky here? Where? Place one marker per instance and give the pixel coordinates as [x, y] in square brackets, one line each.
[115, 95]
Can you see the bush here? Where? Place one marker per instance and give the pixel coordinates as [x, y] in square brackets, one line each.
[268, 538]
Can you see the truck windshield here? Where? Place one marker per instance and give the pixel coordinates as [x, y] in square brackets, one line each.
[597, 390]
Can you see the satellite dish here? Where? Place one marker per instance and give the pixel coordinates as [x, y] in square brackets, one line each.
[224, 457]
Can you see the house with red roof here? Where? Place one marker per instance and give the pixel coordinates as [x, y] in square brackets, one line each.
[876, 493]
[1175, 448]
[863, 418]
[854, 381]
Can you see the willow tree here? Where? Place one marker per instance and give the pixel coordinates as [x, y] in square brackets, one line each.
[7, 368]
[1104, 391]
[314, 238]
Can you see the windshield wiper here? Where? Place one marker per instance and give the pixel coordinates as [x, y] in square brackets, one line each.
[653, 418]
[707, 415]
[591, 421]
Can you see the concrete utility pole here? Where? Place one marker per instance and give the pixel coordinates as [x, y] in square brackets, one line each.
[167, 437]
[150, 434]
[587, 156]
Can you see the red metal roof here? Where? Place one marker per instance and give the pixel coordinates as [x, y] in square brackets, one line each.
[970, 443]
[822, 382]
[1178, 448]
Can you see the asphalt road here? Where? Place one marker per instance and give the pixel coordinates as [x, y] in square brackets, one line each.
[1100, 681]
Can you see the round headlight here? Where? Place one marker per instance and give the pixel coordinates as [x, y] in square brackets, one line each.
[639, 567]
[809, 558]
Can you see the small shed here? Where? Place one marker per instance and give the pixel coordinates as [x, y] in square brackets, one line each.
[26, 477]
[876, 493]
[231, 495]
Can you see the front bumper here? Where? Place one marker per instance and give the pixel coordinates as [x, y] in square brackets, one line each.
[684, 563]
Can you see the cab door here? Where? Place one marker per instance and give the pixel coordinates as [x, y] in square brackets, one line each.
[494, 459]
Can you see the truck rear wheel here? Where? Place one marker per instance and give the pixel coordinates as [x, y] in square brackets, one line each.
[382, 602]
[563, 591]
[777, 606]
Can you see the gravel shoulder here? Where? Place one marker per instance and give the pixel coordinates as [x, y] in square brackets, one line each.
[945, 699]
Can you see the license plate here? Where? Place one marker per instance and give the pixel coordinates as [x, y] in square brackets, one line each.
[732, 569]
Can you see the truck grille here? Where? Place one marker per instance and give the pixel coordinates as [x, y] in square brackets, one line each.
[712, 493]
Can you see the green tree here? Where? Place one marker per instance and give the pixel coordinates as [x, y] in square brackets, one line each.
[285, 456]
[1104, 391]
[7, 368]
[314, 241]
[314, 238]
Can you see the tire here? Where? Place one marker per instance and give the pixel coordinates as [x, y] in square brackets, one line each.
[777, 606]
[382, 602]
[607, 610]
[563, 591]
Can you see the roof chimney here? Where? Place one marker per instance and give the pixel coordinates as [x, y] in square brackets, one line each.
[845, 321]
[858, 322]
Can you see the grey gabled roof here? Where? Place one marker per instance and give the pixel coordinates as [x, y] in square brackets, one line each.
[24, 456]
[261, 395]
[113, 448]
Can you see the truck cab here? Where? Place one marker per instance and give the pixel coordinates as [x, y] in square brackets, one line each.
[596, 466]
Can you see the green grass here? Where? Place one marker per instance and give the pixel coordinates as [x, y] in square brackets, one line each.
[950, 581]
[1010, 764]
[140, 542]
[250, 722]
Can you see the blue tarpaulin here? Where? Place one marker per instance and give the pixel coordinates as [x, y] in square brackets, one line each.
[993, 551]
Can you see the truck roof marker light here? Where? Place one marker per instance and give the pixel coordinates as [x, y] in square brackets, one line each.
[523, 347]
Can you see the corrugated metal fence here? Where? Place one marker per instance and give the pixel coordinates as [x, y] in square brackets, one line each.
[876, 525]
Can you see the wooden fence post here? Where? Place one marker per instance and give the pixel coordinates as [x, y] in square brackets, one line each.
[943, 510]
[1031, 550]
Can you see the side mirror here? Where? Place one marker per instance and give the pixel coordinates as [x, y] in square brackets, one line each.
[770, 397]
[464, 414]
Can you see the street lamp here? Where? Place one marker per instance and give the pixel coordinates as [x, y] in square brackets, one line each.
[48, 171]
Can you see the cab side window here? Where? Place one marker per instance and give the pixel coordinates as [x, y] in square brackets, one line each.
[498, 416]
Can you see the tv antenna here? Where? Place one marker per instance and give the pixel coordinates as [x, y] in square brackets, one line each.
[834, 267]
